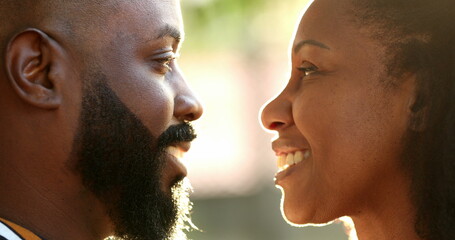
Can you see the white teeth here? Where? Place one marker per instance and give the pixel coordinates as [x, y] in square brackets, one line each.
[298, 157]
[290, 159]
[281, 161]
[177, 153]
[285, 161]
[307, 154]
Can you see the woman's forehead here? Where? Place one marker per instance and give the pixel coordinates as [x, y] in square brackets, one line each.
[331, 23]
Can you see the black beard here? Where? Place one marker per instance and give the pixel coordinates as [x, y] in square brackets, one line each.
[121, 163]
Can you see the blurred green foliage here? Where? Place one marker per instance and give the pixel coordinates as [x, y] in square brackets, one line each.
[216, 24]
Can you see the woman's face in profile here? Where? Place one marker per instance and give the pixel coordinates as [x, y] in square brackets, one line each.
[339, 120]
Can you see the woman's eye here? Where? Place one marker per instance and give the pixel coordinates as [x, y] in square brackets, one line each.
[307, 69]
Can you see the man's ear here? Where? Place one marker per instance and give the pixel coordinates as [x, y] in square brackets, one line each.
[31, 61]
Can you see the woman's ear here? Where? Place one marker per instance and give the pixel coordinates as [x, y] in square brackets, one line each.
[31, 59]
[418, 110]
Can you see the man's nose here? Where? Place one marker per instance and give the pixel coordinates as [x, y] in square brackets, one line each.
[277, 114]
[186, 105]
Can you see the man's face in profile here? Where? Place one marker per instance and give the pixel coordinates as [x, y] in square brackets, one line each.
[134, 109]
[123, 164]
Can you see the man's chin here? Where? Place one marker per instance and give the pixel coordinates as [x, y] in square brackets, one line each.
[170, 221]
[169, 186]
[181, 196]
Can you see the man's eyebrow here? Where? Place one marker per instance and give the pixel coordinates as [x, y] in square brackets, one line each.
[170, 31]
[309, 42]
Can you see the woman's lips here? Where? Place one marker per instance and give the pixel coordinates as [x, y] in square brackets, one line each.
[287, 162]
[289, 159]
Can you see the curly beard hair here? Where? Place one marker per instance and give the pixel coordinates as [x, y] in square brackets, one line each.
[121, 163]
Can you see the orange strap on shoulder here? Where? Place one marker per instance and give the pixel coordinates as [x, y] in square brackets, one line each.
[24, 233]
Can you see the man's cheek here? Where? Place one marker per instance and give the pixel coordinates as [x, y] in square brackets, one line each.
[153, 105]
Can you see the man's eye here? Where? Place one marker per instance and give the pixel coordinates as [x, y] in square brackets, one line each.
[307, 69]
[164, 64]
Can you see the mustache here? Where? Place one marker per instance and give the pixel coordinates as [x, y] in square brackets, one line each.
[183, 132]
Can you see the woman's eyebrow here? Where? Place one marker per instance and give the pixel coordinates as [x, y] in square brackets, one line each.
[299, 45]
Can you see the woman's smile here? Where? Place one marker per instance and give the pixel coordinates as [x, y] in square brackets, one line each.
[290, 159]
[339, 128]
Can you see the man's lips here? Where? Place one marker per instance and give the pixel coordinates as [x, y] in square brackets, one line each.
[183, 146]
[177, 151]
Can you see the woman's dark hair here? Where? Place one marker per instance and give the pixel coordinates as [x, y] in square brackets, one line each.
[419, 36]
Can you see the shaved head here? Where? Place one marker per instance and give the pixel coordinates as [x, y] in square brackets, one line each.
[70, 22]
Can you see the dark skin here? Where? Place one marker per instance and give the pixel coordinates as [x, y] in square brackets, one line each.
[337, 107]
[133, 44]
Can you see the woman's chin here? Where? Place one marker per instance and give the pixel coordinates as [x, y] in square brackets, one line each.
[301, 222]
[294, 215]
[302, 215]
[294, 221]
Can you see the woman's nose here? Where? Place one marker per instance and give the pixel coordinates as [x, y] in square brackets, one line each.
[277, 114]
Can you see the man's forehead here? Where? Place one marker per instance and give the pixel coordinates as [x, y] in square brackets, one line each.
[161, 17]
[132, 23]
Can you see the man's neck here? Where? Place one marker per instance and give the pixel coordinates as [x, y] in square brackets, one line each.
[52, 216]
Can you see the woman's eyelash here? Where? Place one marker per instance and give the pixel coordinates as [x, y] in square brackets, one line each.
[307, 69]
